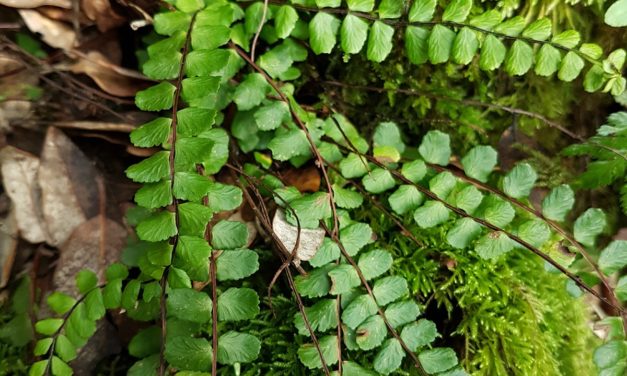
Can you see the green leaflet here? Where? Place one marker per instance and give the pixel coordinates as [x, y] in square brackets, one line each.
[308, 354]
[457, 10]
[435, 148]
[416, 44]
[440, 44]
[237, 304]
[437, 359]
[389, 358]
[371, 333]
[492, 53]
[322, 316]
[419, 334]
[234, 347]
[285, 21]
[379, 41]
[422, 10]
[353, 33]
[558, 203]
[322, 32]
[519, 181]
[479, 162]
[589, 225]
[538, 30]
[360, 5]
[571, 66]
[465, 46]
[519, 58]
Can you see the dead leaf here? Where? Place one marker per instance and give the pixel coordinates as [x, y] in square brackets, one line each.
[102, 14]
[8, 245]
[14, 85]
[53, 33]
[19, 176]
[110, 78]
[309, 242]
[305, 179]
[69, 191]
[25, 4]
[93, 245]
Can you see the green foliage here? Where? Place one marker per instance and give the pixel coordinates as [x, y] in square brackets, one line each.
[191, 256]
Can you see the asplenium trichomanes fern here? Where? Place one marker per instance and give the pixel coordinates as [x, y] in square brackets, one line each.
[357, 309]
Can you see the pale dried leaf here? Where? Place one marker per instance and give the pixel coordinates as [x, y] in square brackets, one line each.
[8, 245]
[69, 192]
[309, 242]
[19, 176]
[53, 33]
[25, 4]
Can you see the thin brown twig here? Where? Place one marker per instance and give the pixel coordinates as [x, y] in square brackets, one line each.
[298, 120]
[261, 23]
[214, 289]
[263, 217]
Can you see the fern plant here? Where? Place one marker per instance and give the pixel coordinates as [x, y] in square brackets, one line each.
[227, 117]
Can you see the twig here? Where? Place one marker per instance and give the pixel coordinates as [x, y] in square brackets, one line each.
[261, 23]
[297, 119]
[263, 217]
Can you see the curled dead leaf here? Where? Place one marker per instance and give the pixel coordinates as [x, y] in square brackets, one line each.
[111, 78]
[53, 33]
[19, 176]
[309, 242]
[101, 12]
[69, 190]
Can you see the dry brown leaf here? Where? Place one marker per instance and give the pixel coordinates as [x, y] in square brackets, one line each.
[69, 190]
[93, 245]
[305, 179]
[8, 245]
[19, 176]
[110, 78]
[309, 242]
[53, 33]
[102, 14]
[25, 4]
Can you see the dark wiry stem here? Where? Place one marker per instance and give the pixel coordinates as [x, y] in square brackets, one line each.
[365, 283]
[262, 215]
[175, 239]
